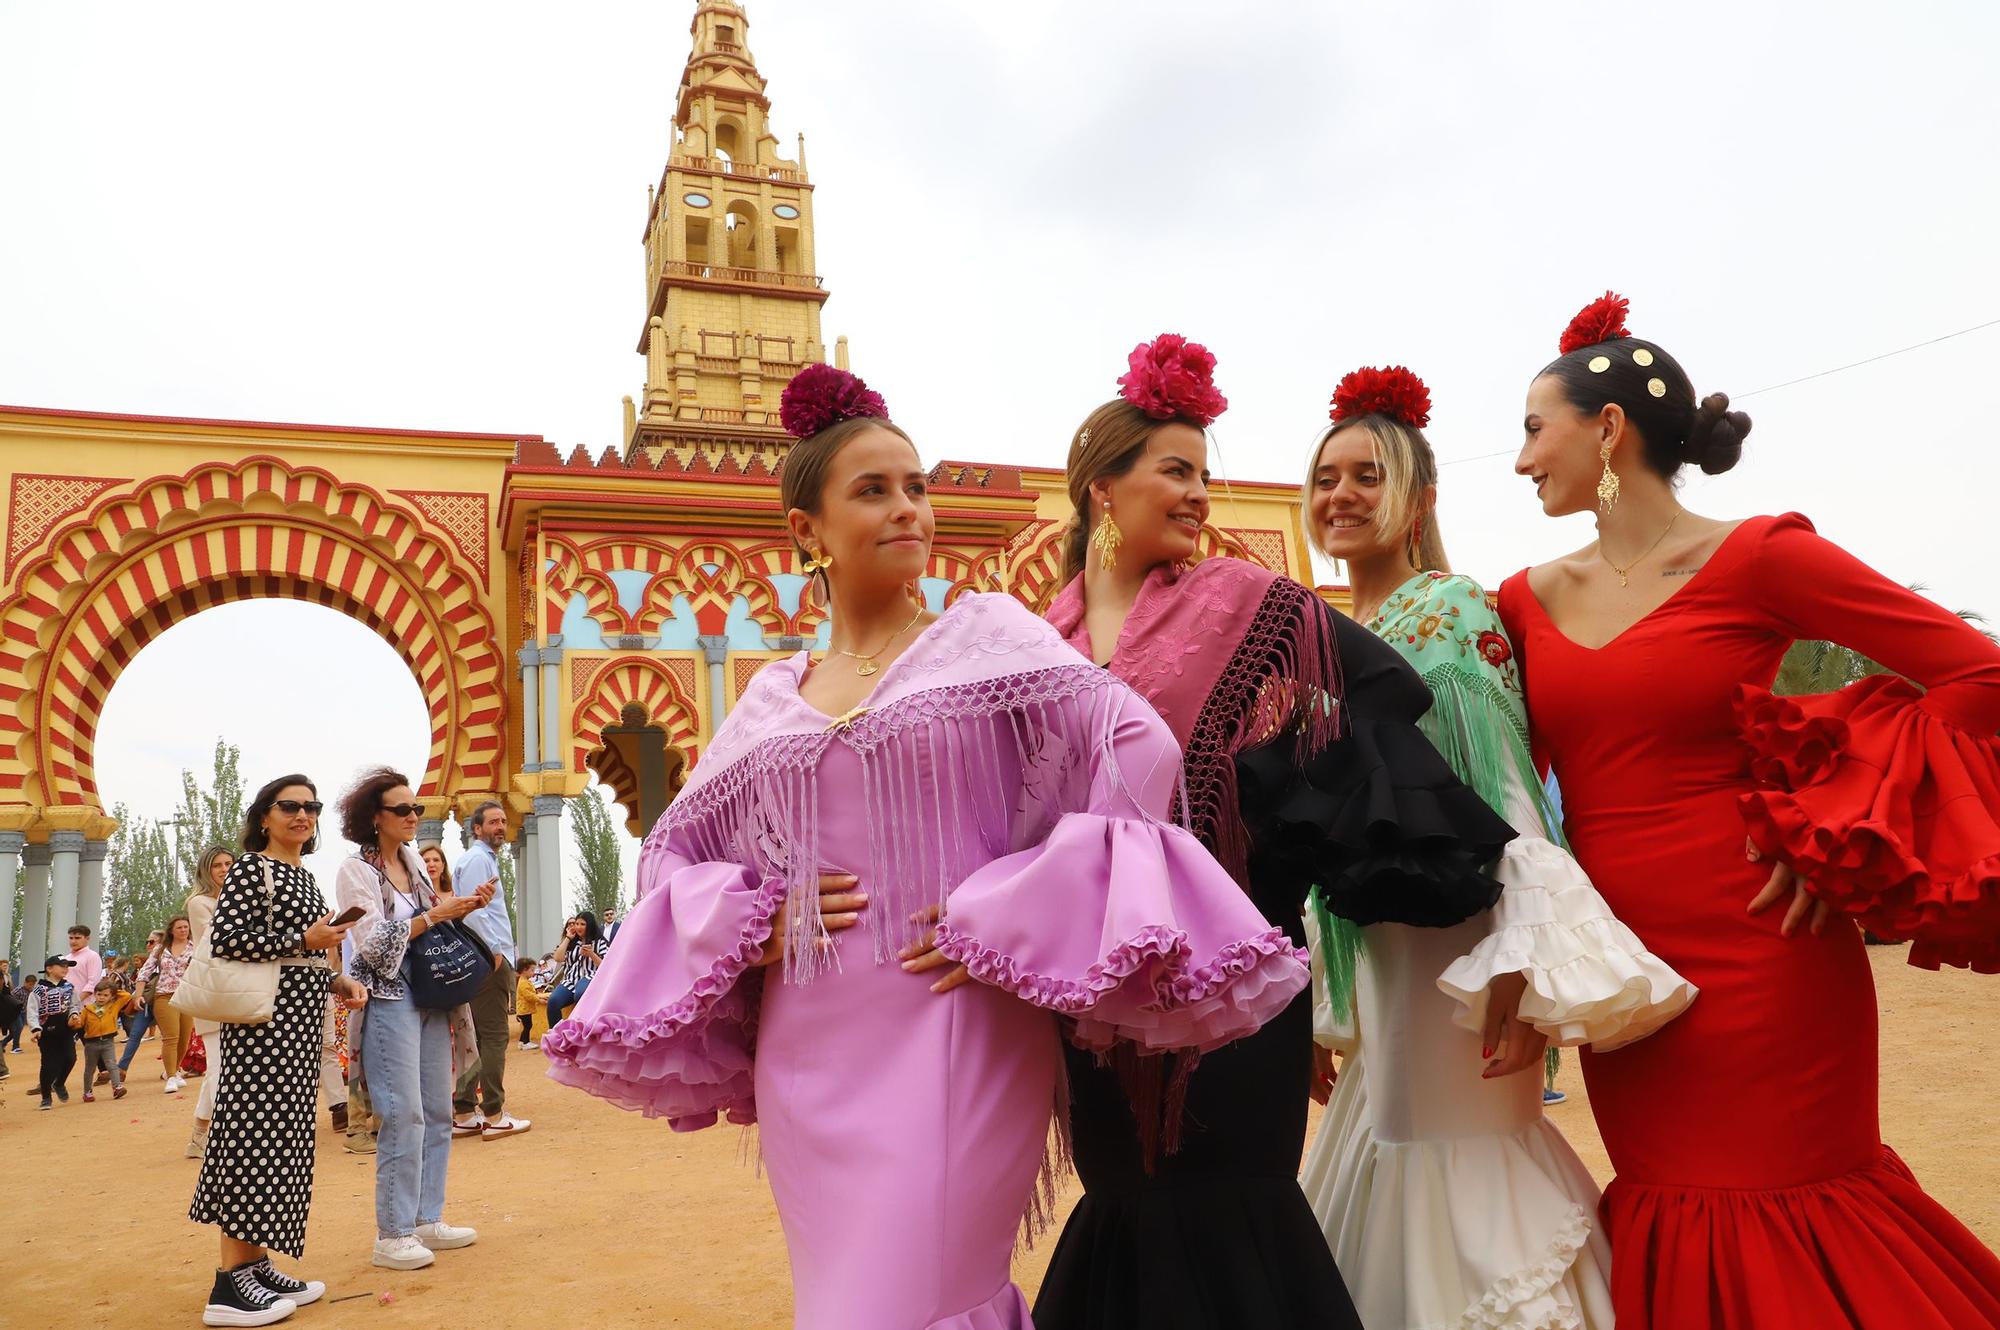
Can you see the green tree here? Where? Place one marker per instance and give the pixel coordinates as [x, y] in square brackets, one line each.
[212, 815]
[596, 854]
[143, 886]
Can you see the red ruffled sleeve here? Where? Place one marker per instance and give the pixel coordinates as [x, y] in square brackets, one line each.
[1888, 811]
[1884, 795]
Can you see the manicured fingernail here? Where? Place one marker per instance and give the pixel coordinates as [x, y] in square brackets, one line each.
[909, 965]
[1487, 1051]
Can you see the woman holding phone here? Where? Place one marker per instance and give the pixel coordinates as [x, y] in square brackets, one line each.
[401, 1052]
[577, 959]
[256, 1176]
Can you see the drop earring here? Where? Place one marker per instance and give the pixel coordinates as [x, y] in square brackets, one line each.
[1607, 484]
[1107, 538]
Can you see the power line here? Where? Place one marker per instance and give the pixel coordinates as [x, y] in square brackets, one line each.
[1805, 378]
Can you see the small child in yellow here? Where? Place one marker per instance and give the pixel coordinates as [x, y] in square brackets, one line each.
[100, 1037]
[529, 1001]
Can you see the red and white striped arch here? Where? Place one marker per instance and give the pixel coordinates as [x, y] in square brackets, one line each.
[106, 584]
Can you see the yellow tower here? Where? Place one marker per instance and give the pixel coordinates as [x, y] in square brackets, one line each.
[732, 300]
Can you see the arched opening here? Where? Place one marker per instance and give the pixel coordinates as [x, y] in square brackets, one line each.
[742, 223]
[729, 140]
[294, 686]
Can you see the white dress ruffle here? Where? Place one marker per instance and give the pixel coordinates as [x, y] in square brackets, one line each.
[1590, 979]
[1449, 1201]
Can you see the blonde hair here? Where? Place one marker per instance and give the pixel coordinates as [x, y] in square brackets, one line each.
[1408, 467]
[1108, 443]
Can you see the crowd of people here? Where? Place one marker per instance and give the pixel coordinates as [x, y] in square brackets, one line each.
[404, 1071]
[1136, 870]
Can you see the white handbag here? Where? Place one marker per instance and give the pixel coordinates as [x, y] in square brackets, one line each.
[230, 992]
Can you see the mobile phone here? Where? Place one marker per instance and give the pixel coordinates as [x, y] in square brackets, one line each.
[346, 916]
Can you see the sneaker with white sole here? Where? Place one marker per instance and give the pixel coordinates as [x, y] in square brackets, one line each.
[471, 1126]
[404, 1253]
[508, 1125]
[442, 1236]
[300, 1291]
[174, 1084]
[240, 1298]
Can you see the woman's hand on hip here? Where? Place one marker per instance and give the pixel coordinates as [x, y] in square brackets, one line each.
[923, 955]
[1784, 883]
[1508, 1043]
[841, 901]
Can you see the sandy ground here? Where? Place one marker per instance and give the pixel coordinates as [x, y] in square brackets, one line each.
[597, 1208]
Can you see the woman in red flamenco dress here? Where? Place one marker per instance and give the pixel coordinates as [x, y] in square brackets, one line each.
[1647, 656]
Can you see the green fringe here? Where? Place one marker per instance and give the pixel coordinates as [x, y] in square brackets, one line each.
[1551, 1063]
[1339, 951]
[1481, 731]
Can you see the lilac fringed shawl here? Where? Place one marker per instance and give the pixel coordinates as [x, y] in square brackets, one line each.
[1232, 656]
[986, 675]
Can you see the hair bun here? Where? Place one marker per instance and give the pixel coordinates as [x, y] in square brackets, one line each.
[1715, 439]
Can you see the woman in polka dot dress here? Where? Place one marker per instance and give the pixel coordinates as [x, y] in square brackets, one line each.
[256, 1178]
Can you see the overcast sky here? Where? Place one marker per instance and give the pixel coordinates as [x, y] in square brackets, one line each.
[429, 215]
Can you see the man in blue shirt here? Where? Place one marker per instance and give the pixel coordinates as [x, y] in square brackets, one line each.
[480, 1098]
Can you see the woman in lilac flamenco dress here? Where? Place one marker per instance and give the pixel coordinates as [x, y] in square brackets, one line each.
[781, 963]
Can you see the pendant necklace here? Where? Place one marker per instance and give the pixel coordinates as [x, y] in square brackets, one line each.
[1625, 572]
[868, 665]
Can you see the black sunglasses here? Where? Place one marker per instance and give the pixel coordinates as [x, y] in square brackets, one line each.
[291, 806]
[403, 810]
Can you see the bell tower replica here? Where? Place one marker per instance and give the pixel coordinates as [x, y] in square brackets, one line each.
[732, 299]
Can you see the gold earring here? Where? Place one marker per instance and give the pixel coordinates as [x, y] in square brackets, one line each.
[1106, 539]
[817, 563]
[1607, 484]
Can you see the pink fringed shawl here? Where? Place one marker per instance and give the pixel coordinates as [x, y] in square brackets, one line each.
[1232, 656]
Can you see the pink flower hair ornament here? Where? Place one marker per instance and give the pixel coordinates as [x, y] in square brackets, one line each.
[1172, 378]
[820, 395]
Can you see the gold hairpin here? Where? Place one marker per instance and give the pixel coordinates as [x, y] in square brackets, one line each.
[1657, 387]
[1642, 357]
[1598, 364]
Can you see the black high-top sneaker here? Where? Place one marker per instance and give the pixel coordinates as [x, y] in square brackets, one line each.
[300, 1291]
[240, 1298]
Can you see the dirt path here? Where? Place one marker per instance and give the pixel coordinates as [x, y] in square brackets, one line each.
[598, 1209]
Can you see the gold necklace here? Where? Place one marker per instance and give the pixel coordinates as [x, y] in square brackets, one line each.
[868, 665]
[1624, 573]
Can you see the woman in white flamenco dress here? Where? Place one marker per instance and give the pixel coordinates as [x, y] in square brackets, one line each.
[1450, 1201]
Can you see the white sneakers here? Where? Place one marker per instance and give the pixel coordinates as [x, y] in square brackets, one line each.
[414, 1251]
[443, 1237]
[174, 1084]
[468, 1126]
[404, 1253]
[508, 1125]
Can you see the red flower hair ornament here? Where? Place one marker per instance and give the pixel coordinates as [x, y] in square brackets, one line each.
[1171, 377]
[820, 395]
[1393, 392]
[1602, 320]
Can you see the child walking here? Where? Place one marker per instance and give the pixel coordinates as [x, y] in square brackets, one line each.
[528, 999]
[100, 1037]
[55, 1013]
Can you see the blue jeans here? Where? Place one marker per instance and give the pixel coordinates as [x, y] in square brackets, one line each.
[563, 998]
[135, 1030]
[406, 1061]
[15, 1029]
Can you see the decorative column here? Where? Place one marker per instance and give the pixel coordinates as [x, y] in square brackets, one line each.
[552, 738]
[715, 650]
[90, 887]
[527, 900]
[65, 874]
[430, 831]
[548, 865]
[35, 909]
[11, 845]
[531, 708]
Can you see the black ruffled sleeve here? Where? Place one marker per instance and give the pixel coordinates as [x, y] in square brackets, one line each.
[1376, 819]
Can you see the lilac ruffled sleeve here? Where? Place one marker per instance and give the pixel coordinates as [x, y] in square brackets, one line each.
[665, 1026]
[1119, 919]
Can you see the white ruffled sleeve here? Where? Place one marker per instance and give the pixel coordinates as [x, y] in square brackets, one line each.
[1590, 979]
